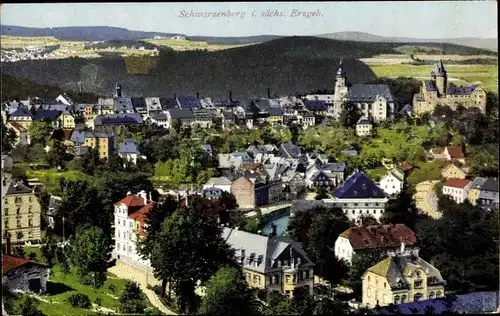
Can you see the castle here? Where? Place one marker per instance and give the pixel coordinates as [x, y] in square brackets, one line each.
[436, 91]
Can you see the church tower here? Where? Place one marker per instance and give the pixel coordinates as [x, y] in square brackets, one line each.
[341, 90]
[441, 79]
[118, 90]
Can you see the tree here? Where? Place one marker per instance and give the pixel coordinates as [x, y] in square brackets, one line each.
[227, 293]
[350, 115]
[132, 299]
[189, 248]
[8, 138]
[91, 253]
[321, 192]
[359, 264]
[401, 210]
[327, 306]
[28, 307]
[39, 132]
[368, 220]
[58, 154]
[317, 232]
[49, 249]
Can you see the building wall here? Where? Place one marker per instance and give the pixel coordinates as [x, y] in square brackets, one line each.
[364, 130]
[453, 172]
[355, 208]
[343, 249]
[391, 185]
[457, 194]
[243, 191]
[68, 121]
[18, 279]
[28, 221]
[473, 195]
[375, 290]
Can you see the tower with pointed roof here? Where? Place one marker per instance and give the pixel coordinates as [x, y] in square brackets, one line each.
[441, 78]
[341, 90]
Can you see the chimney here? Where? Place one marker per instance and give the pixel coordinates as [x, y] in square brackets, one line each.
[402, 247]
[175, 96]
[230, 96]
[198, 95]
[269, 93]
[129, 193]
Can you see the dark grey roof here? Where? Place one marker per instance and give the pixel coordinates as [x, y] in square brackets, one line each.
[203, 114]
[292, 150]
[358, 186]
[138, 102]
[181, 114]
[490, 185]
[118, 119]
[159, 116]
[228, 115]
[275, 111]
[189, 102]
[316, 105]
[477, 183]
[20, 113]
[368, 92]
[18, 188]
[50, 115]
[128, 146]
[264, 249]
[334, 166]
[123, 104]
[364, 122]
[169, 103]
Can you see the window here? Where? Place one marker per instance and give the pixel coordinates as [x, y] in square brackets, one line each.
[256, 279]
[30, 209]
[18, 223]
[30, 222]
[129, 248]
[18, 210]
[6, 211]
[6, 223]
[119, 222]
[403, 299]
[118, 246]
[396, 299]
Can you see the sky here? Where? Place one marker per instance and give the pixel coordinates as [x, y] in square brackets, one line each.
[432, 19]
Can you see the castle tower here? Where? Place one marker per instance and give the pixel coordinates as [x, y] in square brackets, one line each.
[118, 90]
[441, 78]
[341, 91]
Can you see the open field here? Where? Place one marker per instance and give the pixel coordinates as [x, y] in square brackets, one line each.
[50, 178]
[486, 75]
[185, 45]
[137, 65]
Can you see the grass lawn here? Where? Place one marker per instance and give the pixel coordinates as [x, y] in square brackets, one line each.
[376, 174]
[50, 178]
[61, 287]
[36, 251]
[486, 75]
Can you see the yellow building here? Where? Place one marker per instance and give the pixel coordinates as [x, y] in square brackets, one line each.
[275, 116]
[273, 263]
[436, 91]
[401, 278]
[21, 212]
[67, 121]
[475, 189]
[452, 171]
[104, 142]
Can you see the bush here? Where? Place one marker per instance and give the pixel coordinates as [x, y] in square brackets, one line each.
[79, 300]
[98, 301]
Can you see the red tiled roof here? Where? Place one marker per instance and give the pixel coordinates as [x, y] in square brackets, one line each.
[457, 183]
[140, 215]
[131, 201]
[11, 262]
[379, 236]
[455, 152]
[405, 166]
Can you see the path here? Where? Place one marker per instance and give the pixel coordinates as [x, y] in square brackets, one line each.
[143, 278]
[425, 198]
[269, 209]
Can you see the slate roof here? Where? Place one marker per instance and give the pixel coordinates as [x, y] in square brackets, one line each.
[218, 181]
[98, 135]
[477, 183]
[369, 92]
[379, 236]
[78, 136]
[275, 111]
[364, 122]
[393, 268]
[50, 115]
[261, 105]
[457, 183]
[471, 303]
[490, 185]
[20, 113]
[128, 146]
[358, 186]
[18, 188]
[159, 116]
[189, 102]
[316, 105]
[181, 114]
[334, 166]
[461, 90]
[169, 103]
[228, 115]
[138, 102]
[264, 247]
[118, 119]
[430, 85]
[122, 104]
[291, 150]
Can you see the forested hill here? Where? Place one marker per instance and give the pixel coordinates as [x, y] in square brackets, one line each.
[287, 66]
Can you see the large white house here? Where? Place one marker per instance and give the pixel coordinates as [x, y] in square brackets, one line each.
[356, 240]
[392, 183]
[457, 189]
[359, 196]
[130, 223]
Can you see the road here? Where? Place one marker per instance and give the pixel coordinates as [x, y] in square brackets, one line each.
[270, 209]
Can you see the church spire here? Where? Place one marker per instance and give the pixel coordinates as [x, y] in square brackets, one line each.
[340, 71]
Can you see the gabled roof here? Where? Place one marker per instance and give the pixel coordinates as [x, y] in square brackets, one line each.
[477, 183]
[189, 102]
[457, 183]
[20, 113]
[319, 176]
[455, 152]
[181, 114]
[50, 115]
[379, 236]
[275, 111]
[405, 166]
[18, 188]
[364, 122]
[369, 92]
[316, 105]
[334, 166]
[218, 181]
[169, 103]
[123, 104]
[141, 216]
[128, 146]
[358, 186]
[131, 201]
[118, 119]
[291, 150]
[159, 116]
[78, 136]
[490, 185]
[264, 249]
[10, 263]
[461, 90]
